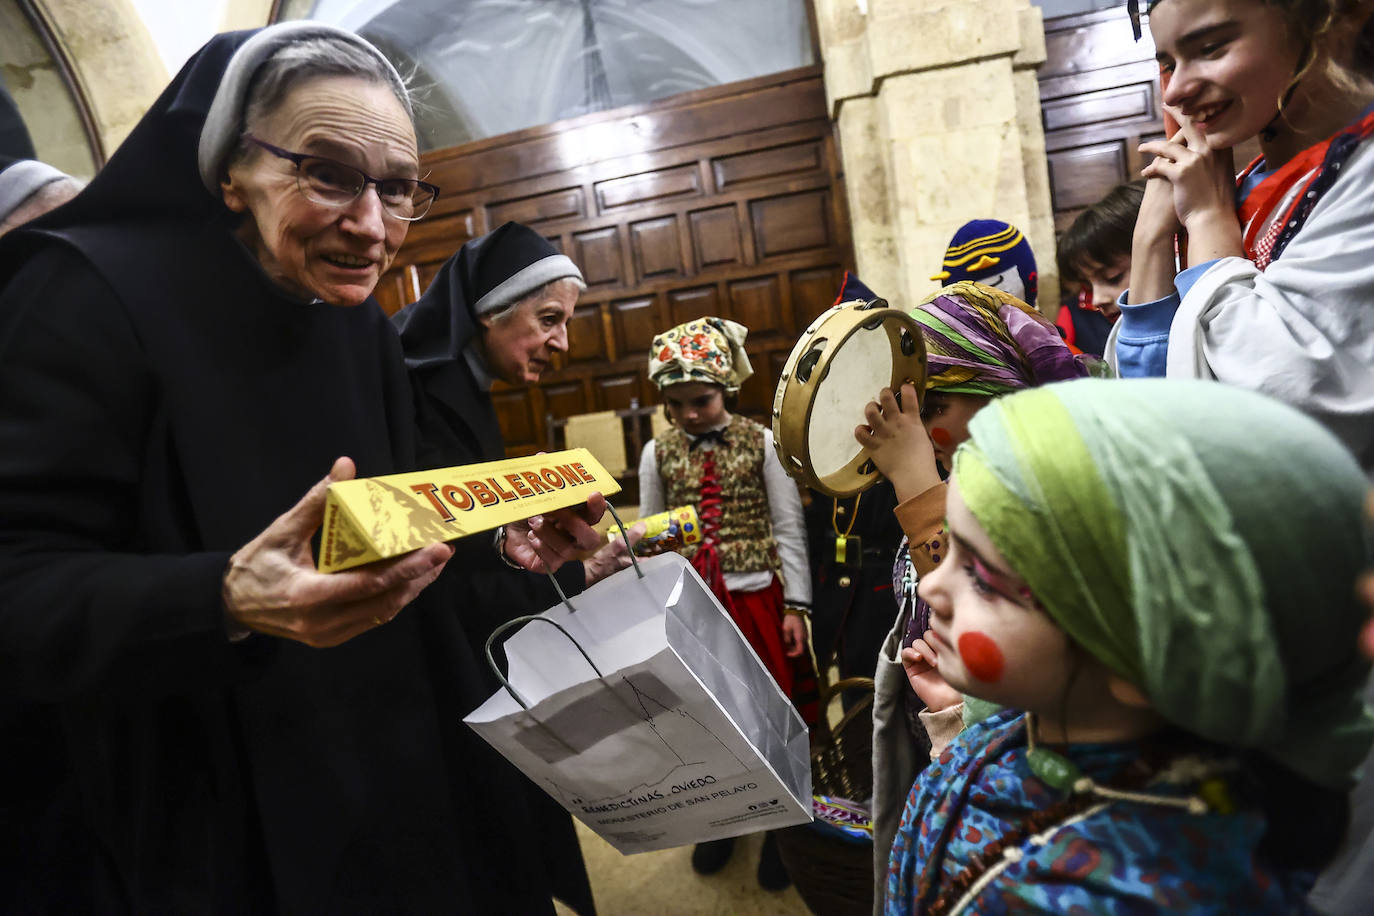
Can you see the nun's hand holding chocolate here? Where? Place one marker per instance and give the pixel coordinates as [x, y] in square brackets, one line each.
[897, 441]
[271, 585]
[545, 542]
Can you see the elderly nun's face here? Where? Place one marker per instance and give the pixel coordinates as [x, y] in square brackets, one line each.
[314, 250]
[520, 345]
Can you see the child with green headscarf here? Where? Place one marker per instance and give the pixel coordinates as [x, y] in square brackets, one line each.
[1164, 608]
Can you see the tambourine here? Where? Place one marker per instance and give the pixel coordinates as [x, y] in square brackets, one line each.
[847, 355]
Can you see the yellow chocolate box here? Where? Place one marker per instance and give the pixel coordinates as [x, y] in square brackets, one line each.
[379, 517]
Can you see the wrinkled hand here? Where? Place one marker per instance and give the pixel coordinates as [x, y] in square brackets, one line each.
[545, 542]
[793, 635]
[919, 662]
[898, 443]
[1203, 180]
[613, 556]
[272, 587]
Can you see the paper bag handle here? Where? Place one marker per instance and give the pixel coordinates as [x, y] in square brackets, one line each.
[626, 537]
[496, 669]
[639, 572]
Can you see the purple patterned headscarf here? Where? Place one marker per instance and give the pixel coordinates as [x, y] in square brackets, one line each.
[984, 341]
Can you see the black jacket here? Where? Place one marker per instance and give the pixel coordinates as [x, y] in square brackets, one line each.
[160, 404]
[458, 425]
[852, 605]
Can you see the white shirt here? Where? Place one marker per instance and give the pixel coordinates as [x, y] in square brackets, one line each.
[1301, 331]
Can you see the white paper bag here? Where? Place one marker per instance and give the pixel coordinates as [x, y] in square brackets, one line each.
[685, 736]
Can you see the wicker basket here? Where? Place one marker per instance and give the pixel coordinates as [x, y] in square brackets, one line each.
[834, 874]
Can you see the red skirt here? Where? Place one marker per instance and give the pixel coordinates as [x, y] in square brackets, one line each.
[759, 617]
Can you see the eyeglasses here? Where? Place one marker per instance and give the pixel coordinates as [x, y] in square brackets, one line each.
[333, 184]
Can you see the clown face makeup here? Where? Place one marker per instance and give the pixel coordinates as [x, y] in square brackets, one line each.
[991, 639]
[946, 417]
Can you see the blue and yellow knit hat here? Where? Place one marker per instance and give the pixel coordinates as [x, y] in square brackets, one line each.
[993, 253]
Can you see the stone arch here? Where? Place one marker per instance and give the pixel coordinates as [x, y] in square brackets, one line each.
[84, 71]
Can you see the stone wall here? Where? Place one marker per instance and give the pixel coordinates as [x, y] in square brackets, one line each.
[938, 115]
[43, 99]
[114, 61]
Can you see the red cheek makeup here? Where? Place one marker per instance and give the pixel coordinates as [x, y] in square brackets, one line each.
[941, 437]
[981, 656]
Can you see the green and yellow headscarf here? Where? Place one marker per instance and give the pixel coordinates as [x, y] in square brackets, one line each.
[1199, 540]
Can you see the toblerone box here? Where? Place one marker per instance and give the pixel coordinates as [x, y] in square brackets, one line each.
[380, 517]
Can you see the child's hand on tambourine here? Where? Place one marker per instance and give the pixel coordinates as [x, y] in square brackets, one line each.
[919, 662]
[898, 443]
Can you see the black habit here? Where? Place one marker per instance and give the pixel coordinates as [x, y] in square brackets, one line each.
[458, 425]
[161, 403]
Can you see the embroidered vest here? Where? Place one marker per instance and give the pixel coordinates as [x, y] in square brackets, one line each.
[745, 540]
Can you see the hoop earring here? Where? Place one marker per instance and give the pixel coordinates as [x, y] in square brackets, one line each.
[1271, 130]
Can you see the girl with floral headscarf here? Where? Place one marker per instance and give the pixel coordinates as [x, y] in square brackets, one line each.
[981, 343]
[1181, 689]
[753, 549]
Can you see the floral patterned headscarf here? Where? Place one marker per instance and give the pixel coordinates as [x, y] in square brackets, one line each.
[705, 349]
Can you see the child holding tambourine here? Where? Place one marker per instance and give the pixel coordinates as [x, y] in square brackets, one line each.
[1280, 277]
[753, 550]
[981, 343]
[1180, 690]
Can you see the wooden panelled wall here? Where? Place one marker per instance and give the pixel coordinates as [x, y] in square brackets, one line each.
[1099, 97]
[720, 202]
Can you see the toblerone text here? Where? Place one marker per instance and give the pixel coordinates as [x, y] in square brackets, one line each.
[379, 517]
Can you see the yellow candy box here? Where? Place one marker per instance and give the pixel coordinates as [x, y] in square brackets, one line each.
[665, 531]
[379, 517]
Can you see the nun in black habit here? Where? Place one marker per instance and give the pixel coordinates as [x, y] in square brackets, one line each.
[499, 309]
[176, 741]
